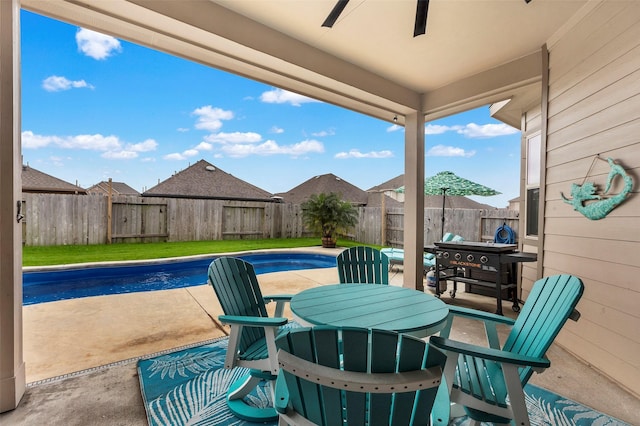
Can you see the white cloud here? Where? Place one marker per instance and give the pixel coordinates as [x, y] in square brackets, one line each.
[56, 83]
[174, 156]
[95, 142]
[473, 130]
[57, 161]
[145, 146]
[354, 153]
[235, 137]
[119, 155]
[111, 146]
[95, 45]
[204, 146]
[272, 148]
[182, 129]
[436, 129]
[183, 155]
[324, 133]
[394, 128]
[279, 96]
[449, 151]
[33, 141]
[210, 118]
[276, 129]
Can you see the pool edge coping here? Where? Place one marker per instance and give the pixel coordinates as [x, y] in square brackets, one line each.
[46, 268]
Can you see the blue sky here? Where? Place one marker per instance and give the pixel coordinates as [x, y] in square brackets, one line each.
[95, 107]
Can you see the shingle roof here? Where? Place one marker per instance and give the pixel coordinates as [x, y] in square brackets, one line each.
[204, 180]
[434, 201]
[36, 181]
[117, 188]
[325, 184]
[374, 200]
[393, 183]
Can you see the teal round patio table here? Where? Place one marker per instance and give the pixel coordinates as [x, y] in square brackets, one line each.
[383, 307]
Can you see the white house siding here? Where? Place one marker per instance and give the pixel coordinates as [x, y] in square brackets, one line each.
[531, 124]
[594, 108]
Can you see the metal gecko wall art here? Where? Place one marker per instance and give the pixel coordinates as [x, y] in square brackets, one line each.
[585, 194]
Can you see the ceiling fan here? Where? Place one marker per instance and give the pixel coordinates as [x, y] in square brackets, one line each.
[419, 28]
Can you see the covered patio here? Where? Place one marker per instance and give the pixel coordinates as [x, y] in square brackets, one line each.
[98, 383]
[564, 72]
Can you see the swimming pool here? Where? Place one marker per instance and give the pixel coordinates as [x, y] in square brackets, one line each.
[49, 286]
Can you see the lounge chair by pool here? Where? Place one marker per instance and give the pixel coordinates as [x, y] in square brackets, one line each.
[396, 255]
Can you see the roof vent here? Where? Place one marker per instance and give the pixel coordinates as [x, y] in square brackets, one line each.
[210, 168]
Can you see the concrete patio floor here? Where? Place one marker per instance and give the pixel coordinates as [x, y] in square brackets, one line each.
[81, 354]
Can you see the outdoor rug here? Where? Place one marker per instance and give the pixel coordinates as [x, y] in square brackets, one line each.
[188, 387]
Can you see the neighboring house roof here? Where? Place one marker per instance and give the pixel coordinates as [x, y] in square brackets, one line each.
[204, 180]
[36, 181]
[117, 188]
[451, 202]
[325, 184]
[374, 200]
[391, 184]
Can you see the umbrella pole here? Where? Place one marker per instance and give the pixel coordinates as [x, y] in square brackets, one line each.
[444, 194]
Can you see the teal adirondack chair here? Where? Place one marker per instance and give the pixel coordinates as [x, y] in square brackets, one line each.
[332, 376]
[363, 265]
[480, 379]
[252, 336]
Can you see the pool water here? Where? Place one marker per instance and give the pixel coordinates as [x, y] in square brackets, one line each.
[49, 286]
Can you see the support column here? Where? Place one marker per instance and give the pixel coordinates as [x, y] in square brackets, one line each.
[12, 368]
[414, 200]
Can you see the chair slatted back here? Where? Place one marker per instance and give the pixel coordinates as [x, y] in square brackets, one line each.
[551, 302]
[364, 351]
[238, 292]
[363, 265]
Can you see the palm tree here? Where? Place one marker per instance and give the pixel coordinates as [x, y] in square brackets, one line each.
[327, 214]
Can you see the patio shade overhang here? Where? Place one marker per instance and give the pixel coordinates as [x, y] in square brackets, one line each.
[368, 61]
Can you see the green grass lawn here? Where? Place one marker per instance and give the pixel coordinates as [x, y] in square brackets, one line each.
[61, 255]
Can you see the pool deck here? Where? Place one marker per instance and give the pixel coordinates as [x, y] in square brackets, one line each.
[81, 354]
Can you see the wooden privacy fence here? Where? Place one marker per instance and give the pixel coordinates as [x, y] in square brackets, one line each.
[59, 219]
[471, 224]
[56, 219]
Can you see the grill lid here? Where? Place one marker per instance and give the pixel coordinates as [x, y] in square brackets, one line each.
[477, 246]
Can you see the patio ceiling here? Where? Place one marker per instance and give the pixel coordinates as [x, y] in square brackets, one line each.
[474, 52]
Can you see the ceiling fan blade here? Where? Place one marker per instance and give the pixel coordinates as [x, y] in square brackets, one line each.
[422, 10]
[335, 13]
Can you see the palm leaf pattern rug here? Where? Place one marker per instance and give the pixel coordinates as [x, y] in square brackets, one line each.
[188, 387]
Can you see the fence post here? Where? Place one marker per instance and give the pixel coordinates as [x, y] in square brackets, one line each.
[383, 221]
[109, 209]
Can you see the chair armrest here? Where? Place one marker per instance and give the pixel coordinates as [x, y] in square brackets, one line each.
[488, 353]
[280, 300]
[277, 298]
[480, 315]
[490, 321]
[253, 321]
[281, 396]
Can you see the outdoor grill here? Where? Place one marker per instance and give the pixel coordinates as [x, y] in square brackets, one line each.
[485, 268]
